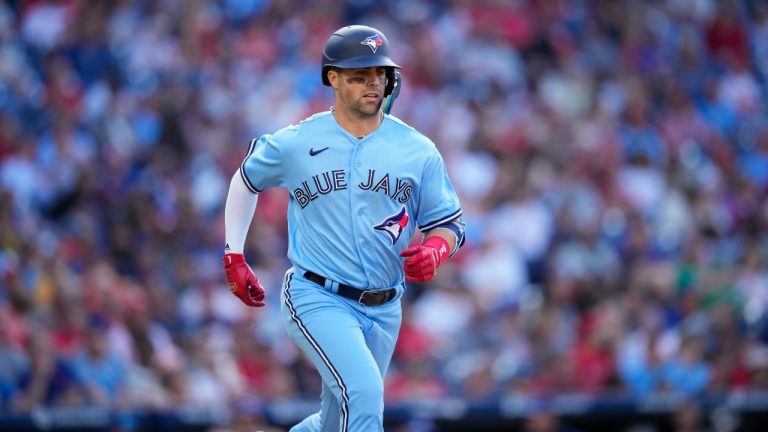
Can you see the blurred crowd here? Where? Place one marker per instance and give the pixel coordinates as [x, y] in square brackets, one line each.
[611, 158]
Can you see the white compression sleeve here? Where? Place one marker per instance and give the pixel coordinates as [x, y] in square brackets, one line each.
[238, 213]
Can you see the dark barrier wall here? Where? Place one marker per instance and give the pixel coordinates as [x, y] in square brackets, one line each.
[734, 412]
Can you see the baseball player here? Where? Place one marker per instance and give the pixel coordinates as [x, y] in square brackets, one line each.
[361, 183]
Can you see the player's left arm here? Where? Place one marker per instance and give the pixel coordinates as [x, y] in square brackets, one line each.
[441, 243]
[445, 235]
[444, 230]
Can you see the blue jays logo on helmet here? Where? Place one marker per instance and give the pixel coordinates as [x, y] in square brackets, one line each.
[373, 42]
[394, 225]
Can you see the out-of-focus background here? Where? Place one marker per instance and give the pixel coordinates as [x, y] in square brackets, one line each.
[611, 158]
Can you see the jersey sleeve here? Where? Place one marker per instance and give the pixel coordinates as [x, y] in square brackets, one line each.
[263, 166]
[438, 203]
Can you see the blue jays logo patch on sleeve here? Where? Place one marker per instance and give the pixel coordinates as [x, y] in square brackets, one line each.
[393, 226]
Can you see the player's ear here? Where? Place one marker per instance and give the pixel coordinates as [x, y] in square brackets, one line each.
[333, 77]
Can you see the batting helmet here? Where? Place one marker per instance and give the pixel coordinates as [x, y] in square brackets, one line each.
[358, 46]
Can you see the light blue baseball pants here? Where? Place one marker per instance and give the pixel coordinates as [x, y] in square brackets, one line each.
[350, 345]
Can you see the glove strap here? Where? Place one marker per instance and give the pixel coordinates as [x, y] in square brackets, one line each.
[233, 258]
[440, 245]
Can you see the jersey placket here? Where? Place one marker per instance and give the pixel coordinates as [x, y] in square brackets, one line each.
[357, 205]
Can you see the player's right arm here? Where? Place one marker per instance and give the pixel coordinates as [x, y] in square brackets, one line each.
[238, 212]
[260, 169]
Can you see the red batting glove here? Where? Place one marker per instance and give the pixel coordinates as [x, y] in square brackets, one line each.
[423, 260]
[241, 280]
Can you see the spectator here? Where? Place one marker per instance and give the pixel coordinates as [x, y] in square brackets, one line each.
[13, 362]
[100, 372]
[687, 373]
[48, 380]
[757, 365]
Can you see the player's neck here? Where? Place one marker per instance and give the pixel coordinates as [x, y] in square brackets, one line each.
[356, 125]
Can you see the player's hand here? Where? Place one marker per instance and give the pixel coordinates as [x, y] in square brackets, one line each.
[422, 261]
[241, 280]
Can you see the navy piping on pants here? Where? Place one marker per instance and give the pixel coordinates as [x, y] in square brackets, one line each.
[334, 372]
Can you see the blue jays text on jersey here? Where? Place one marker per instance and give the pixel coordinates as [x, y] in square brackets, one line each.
[330, 181]
[355, 203]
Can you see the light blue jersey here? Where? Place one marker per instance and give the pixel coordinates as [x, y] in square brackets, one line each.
[355, 203]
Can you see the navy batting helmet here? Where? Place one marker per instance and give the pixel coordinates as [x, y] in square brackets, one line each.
[358, 46]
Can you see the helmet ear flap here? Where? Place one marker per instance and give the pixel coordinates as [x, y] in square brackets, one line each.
[390, 74]
[325, 75]
[389, 101]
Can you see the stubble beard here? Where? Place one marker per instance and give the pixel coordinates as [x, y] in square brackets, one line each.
[360, 110]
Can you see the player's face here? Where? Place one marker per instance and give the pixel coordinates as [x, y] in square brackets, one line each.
[361, 91]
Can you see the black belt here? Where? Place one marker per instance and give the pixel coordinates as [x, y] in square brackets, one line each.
[364, 297]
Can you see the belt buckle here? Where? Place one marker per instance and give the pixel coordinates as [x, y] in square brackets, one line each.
[375, 294]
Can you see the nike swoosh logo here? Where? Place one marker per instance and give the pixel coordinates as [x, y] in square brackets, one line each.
[313, 152]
